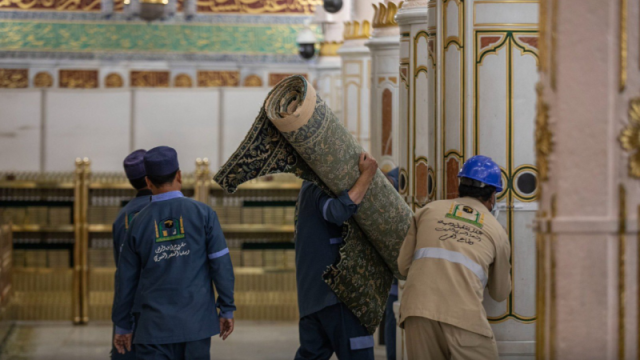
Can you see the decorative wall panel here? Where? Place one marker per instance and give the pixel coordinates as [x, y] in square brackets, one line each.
[302, 7]
[55, 5]
[503, 128]
[78, 79]
[329, 88]
[404, 126]
[452, 92]
[384, 102]
[14, 78]
[275, 78]
[143, 38]
[149, 79]
[218, 78]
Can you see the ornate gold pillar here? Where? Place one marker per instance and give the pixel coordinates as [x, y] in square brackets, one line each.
[413, 91]
[416, 58]
[384, 46]
[588, 142]
[501, 58]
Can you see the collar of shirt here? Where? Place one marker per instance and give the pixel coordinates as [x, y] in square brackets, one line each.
[145, 192]
[167, 196]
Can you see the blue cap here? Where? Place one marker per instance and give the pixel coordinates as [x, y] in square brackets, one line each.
[484, 170]
[134, 165]
[160, 161]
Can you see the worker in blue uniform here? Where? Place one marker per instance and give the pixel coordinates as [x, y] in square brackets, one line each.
[173, 252]
[389, 317]
[326, 325]
[134, 169]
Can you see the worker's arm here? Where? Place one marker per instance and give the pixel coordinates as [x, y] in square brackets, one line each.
[221, 271]
[500, 271]
[127, 275]
[340, 209]
[368, 168]
[405, 258]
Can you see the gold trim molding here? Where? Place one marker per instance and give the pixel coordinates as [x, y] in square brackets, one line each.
[623, 44]
[621, 269]
[330, 48]
[353, 30]
[630, 138]
[385, 16]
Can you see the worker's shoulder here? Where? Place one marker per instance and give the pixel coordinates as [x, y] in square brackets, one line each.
[435, 206]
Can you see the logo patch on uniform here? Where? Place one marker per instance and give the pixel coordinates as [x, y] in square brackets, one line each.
[170, 229]
[467, 214]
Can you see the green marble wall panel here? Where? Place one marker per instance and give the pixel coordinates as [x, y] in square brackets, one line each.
[137, 37]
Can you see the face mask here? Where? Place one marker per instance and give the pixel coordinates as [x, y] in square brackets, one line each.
[495, 211]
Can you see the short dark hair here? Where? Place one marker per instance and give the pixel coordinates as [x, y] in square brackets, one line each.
[139, 183]
[159, 181]
[480, 193]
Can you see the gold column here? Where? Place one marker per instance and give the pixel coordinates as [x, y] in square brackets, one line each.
[86, 175]
[202, 180]
[77, 249]
[197, 189]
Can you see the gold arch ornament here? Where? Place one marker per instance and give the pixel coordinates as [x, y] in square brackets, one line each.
[113, 80]
[183, 81]
[43, 80]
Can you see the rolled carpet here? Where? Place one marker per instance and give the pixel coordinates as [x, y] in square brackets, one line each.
[297, 133]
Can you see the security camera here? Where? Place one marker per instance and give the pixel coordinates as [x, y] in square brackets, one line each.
[306, 42]
[332, 6]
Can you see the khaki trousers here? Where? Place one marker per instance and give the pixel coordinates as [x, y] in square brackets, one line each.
[434, 340]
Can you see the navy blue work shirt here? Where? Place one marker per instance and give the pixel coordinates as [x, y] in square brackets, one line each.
[120, 226]
[318, 239]
[173, 251]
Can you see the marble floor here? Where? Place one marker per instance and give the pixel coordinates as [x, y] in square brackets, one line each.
[63, 341]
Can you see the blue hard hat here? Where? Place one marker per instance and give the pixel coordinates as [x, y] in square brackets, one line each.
[482, 169]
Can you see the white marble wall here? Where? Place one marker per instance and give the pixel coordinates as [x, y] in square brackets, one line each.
[105, 125]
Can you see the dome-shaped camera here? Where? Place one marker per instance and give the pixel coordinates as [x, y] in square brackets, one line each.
[332, 6]
[306, 43]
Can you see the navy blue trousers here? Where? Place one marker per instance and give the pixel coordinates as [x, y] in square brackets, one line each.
[334, 329]
[390, 328]
[192, 350]
[115, 355]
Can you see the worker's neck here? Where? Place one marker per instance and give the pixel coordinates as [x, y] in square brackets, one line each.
[175, 186]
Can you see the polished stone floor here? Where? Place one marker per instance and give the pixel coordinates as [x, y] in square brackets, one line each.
[63, 341]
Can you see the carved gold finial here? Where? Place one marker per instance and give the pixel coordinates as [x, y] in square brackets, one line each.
[353, 30]
[330, 48]
[630, 138]
[385, 15]
[544, 137]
